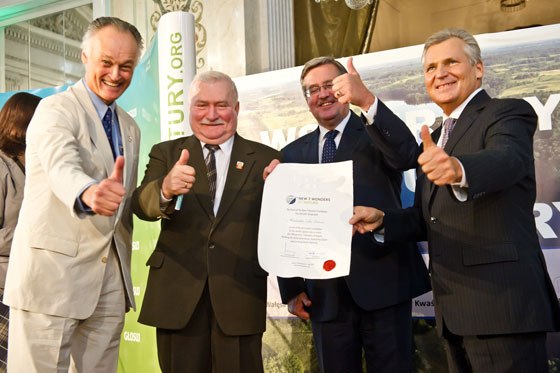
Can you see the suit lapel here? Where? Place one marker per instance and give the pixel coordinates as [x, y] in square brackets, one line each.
[431, 187]
[310, 150]
[353, 132]
[464, 122]
[243, 152]
[200, 187]
[466, 119]
[96, 131]
[128, 141]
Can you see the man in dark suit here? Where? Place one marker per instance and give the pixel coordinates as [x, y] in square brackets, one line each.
[494, 300]
[371, 308]
[206, 293]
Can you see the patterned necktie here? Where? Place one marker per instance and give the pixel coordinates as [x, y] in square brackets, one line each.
[329, 147]
[108, 127]
[210, 161]
[447, 128]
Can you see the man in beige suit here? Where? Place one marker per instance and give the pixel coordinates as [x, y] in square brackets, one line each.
[68, 282]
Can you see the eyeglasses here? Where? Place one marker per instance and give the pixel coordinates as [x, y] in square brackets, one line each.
[316, 89]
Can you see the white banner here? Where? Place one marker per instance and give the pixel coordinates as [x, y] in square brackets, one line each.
[177, 67]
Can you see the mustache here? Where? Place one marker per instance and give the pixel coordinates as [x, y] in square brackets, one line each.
[213, 123]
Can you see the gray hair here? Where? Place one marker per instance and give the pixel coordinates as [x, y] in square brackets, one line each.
[102, 22]
[472, 50]
[319, 61]
[215, 76]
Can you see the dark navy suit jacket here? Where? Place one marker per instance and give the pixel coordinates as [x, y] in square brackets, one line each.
[380, 275]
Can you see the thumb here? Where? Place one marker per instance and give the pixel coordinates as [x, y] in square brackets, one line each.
[118, 170]
[427, 140]
[350, 67]
[184, 158]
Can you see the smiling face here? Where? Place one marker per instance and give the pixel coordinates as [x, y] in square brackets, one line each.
[324, 106]
[109, 58]
[448, 74]
[213, 111]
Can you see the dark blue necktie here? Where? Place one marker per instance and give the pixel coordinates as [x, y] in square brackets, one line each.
[329, 147]
[108, 127]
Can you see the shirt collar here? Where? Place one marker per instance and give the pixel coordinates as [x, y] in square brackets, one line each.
[226, 146]
[340, 128]
[100, 106]
[459, 109]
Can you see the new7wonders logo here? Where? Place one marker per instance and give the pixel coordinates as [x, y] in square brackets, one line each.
[290, 200]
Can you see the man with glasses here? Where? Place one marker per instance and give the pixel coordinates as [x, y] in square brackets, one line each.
[371, 308]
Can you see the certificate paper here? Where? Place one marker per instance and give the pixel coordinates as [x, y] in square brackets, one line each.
[304, 229]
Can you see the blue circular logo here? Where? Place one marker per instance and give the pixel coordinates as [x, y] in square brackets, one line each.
[290, 200]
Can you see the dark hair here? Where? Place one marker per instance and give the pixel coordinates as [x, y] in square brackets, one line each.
[319, 61]
[14, 119]
[102, 22]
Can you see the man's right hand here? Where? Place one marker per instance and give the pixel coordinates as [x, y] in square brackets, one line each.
[295, 306]
[180, 179]
[366, 219]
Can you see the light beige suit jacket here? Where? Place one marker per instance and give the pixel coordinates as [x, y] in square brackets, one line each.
[56, 263]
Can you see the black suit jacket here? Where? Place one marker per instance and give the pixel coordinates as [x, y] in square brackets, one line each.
[194, 247]
[380, 275]
[488, 272]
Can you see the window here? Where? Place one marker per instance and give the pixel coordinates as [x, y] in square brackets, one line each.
[44, 51]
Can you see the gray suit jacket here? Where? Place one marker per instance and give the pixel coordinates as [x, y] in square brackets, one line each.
[56, 260]
[12, 179]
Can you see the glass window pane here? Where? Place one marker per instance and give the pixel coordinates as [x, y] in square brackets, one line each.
[45, 51]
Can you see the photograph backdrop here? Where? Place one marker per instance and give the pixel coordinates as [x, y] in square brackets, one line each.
[522, 64]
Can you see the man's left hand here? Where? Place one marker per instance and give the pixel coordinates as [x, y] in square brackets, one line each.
[349, 88]
[438, 166]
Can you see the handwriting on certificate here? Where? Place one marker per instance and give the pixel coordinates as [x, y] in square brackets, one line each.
[304, 229]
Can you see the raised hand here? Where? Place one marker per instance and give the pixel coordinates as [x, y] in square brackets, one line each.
[104, 198]
[438, 166]
[180, 179]
[349, 88]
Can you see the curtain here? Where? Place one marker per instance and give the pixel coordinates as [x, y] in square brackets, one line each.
[330, 28]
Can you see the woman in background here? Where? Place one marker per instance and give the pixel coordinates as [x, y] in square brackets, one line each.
[14, 119]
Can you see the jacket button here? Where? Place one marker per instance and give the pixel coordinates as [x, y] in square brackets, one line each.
[433, 219]
[104, 259]
[211, 246]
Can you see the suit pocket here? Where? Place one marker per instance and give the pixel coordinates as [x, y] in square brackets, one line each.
[59, 245]
[156, 259]
[489, 254]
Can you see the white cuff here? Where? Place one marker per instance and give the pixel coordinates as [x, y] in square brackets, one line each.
[371, 113]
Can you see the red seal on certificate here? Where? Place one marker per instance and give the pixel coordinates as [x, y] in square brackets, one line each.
[329, 265]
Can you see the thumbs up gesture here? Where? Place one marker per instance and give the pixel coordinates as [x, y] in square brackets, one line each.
[180, 179]
[104, 198]
[349, 88]
[438, 166]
